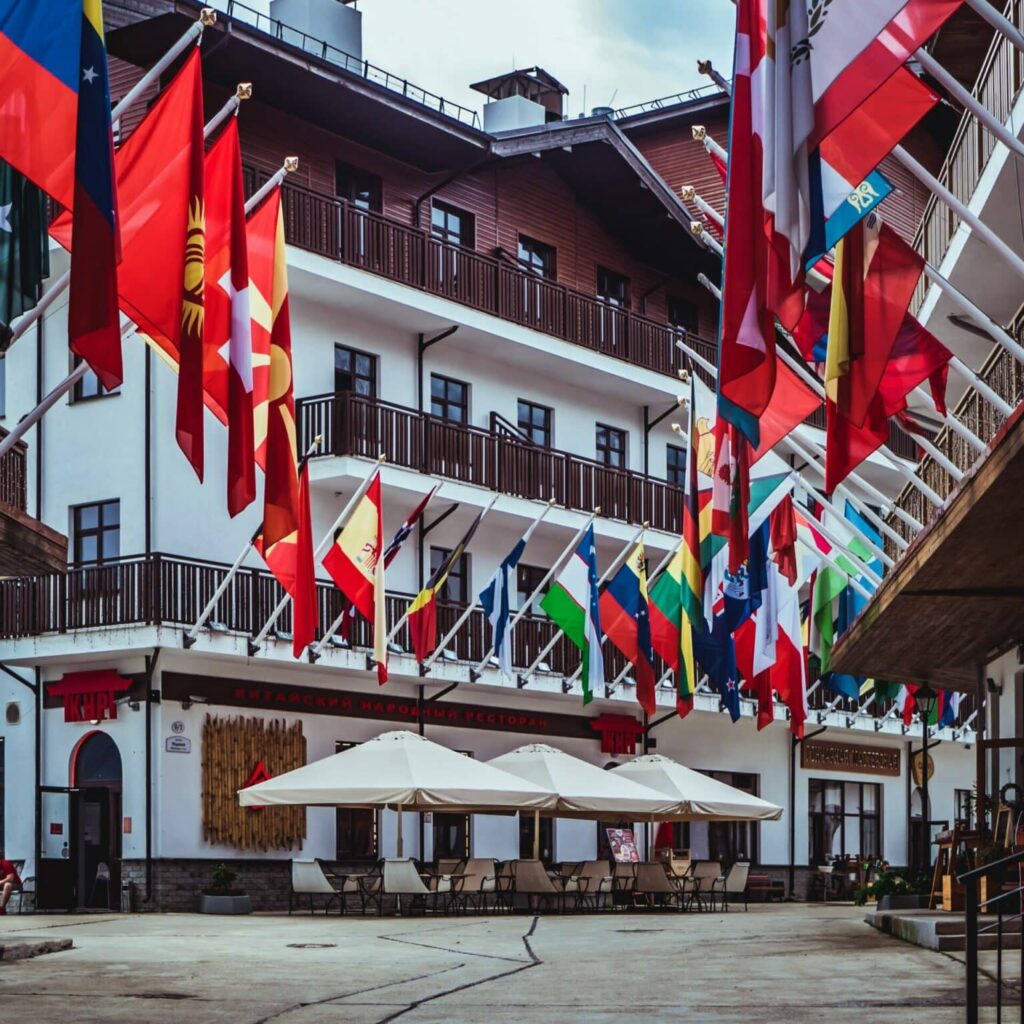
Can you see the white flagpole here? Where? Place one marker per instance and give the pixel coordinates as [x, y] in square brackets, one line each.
[619, 559]
[401, 622]
[475, 672]
[831, 536]
[450, 635]
[691, 195]
[794, 446]
[828, 559]
[323, 545]
[998, 21]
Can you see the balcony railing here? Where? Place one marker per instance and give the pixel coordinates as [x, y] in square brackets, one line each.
[14, 476]
[411, 256]
[996, 87]
[353, 425]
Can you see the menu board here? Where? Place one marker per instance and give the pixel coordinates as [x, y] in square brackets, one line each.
[623, 845]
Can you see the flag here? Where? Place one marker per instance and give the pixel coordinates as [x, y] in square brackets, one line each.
[905, 702]
[626, 620]
[950, 708]
[40, 71]
[731, 490]
[94, 328]
[304, 606]
[160, 278]
[789, 673]
[423, 610]
[496, 600]
[227, 329]
[24, 246]
[572, 604]
[847, 446]
[356, 564]
[791, 403]
[782, 528]
[827, 585]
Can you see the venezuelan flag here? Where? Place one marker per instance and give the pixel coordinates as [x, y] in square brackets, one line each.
[39, 78]
[94, 331]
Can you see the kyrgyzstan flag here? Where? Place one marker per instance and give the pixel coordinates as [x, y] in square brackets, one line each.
[356, 563]
[227, 333]
[160, 279]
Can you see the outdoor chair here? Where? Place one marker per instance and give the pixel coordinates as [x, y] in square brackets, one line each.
[446, 885]
[309, 879]
[824, 880]
[532, 881]
[479, 880]
[704, 873]
[600, 883]
[102, 878]
[654, 884]
[504, 882]
[369, 885]
[25, 891]
[623, 883]
[731, 886]
[402, 878]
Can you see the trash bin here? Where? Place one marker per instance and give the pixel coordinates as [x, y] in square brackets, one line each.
[127, 892]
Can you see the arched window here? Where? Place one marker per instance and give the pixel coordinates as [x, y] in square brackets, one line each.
[97, 761]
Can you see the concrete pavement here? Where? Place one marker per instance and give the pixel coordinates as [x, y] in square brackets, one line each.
[791, 963]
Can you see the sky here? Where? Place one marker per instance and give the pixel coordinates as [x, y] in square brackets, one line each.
[606, 52]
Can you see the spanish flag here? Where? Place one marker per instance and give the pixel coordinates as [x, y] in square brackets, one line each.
[423, 610]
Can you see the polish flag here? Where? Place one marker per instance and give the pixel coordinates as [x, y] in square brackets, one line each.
[227, 334]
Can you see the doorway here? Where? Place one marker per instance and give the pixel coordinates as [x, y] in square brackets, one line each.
[95, 824]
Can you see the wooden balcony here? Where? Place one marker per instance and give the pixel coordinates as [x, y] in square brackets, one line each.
[411, 256]
[497, 459]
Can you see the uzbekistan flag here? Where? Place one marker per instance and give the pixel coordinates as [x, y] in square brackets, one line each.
[94, 331]
[356, 564]
[40, 70]
[572, 604]
[625, 616]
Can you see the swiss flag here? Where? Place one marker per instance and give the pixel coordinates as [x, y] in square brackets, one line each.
[227, 334]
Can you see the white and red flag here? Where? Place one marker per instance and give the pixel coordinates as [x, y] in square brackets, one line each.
[227, 333]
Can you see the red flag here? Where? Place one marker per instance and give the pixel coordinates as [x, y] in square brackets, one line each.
[731, 491]
[304, 610]
[791, 403]
[227, 335]
[782, 537]
[847, 446]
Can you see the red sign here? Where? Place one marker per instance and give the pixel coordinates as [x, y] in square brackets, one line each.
[619, 733]
[258, 774]
[89, 696]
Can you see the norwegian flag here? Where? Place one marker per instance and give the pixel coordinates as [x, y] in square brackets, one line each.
[227, 332]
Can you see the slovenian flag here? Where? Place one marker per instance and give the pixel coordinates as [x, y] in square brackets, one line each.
[572, 604]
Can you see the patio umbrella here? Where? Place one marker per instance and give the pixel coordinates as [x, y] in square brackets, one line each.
[405, 771]
[702, 798]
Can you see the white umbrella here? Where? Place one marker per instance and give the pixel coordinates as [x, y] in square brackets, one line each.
[404, 771]
[702, 798]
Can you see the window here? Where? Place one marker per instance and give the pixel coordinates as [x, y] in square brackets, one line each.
[537, 257]
[726, 841]
[675, 465]
[355, 371]
[456, 587]
[612, 288]
[535, 422]
[361, 188]
[528, 579]
[452, 225]
[547, 837]
[449, 398]
[845, 819]
[682, 315]
[96, 532]
[356, 829]
[963, 802]
[89, 386]
[611, 446]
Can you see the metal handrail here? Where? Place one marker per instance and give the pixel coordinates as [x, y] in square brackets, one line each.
[986, 869]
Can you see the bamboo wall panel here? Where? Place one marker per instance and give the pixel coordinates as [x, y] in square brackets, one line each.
[232, 749]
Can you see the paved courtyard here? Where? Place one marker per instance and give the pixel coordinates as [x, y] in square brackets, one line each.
[790, 963]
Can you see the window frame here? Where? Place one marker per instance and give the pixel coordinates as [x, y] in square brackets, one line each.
[536, 248]
[444, 234]
[460, 572]
[548, 427]
[354, 353]
[77, 395]
[605, 276]
[675, 472]
[816, 819]
[674, 301]
[78, 532]
[602, 452]
[446, 402]
[376, 189]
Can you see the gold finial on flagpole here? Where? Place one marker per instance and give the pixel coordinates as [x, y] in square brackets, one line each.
[704, 67]
[244, 91]
[597, 510]
[677, 428]
[699, 132]
[291, 163]
[382, 458]
[688, 193]
[696, 228]
[207, 17]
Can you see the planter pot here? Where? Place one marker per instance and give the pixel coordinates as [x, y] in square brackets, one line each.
[953, 894]
[903, 901]
[224, 904]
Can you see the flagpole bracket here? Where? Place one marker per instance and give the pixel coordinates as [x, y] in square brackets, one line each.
[424, 669]
[521, 681]
[313, 655]
[474, 676]
[187, 641]
[566, 686]
[370, 664]
[252, 647]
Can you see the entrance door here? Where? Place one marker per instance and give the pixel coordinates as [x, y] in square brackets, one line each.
[96, 823]
[56, 876]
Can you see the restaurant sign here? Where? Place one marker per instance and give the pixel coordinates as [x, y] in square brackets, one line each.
[348, 704]
[849, 757]
[89, 696]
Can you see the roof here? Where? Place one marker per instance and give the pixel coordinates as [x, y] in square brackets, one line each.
[956, 598]
[527, 77]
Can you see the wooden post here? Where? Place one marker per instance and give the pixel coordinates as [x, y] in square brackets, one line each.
[536, 835]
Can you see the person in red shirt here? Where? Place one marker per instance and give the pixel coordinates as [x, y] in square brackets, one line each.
[9, 881]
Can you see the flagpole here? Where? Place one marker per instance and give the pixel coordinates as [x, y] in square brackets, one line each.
[401, 622]
[832, 563]
[700, 134]
[790, 442]
[324, 544]
[998, 21]
[604, 636]
[474, 673]
[690, 195]
[619, 559]
[705, 67]
[425, 667]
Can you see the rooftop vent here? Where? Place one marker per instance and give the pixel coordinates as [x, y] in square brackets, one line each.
[521, 99]
[330, 21]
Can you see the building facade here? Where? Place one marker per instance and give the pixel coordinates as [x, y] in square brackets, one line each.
[493, 304]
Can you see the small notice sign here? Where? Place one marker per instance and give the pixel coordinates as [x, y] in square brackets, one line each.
[178, 745]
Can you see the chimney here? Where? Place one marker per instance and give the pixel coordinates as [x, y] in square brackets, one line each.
[521, 99]
[330, 21]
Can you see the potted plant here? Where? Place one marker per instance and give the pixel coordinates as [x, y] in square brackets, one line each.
[893, 891]
[221, 896]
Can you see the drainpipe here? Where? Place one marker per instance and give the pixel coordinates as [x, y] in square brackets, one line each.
[39, 424]
[151, 661]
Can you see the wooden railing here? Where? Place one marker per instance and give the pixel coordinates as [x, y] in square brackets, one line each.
[353, 425]
[996, 87]
[411, 256]
[14, 476]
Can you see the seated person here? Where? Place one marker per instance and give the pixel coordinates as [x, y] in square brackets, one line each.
[9, 881]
